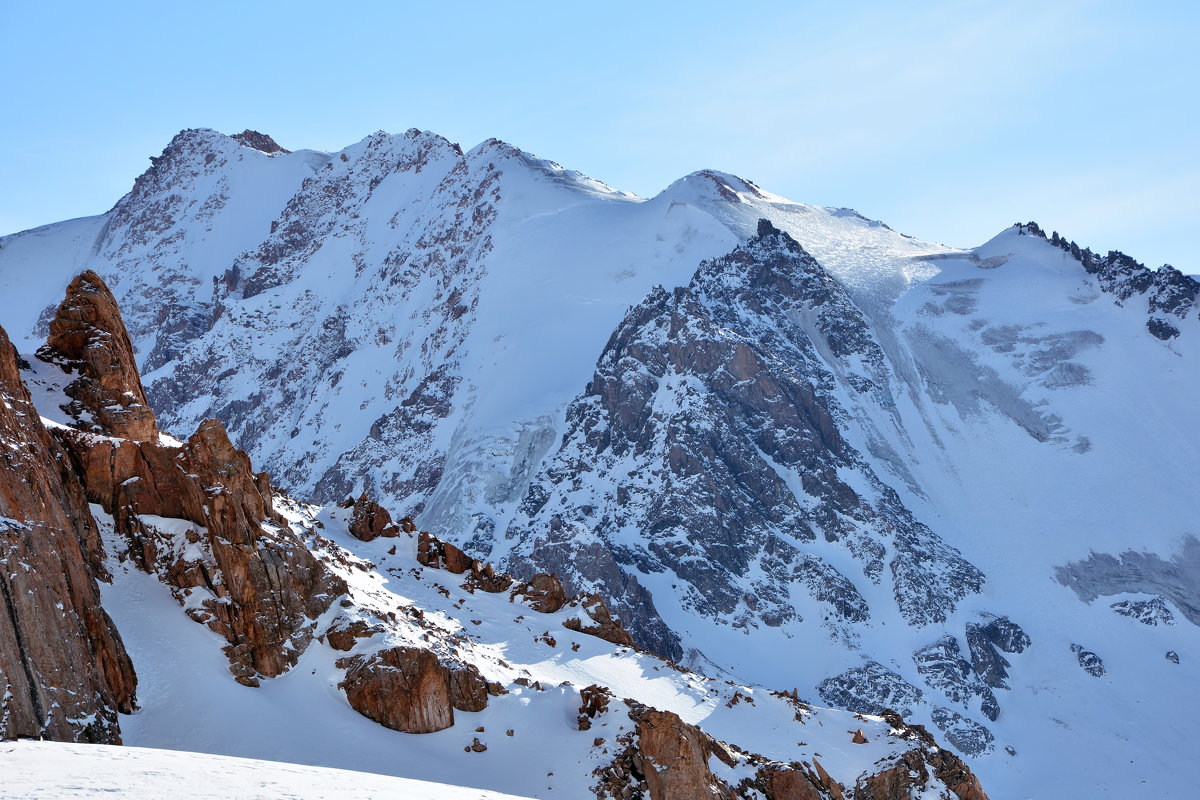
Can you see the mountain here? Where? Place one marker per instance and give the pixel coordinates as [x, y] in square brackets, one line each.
[788, 445]
[249, 623]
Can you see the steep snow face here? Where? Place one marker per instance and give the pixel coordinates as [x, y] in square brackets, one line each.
[202, 202]
[873, 262]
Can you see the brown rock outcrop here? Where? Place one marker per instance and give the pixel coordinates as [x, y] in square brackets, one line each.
[468, 690]
[432, 552]
[87, 335]
[789, 782]
[370, 520]
[64, 672]
[606, 627]
[543, 593]
[913, 770]
[594, 701]
[265, 586]
[408, 689]
[907, 776]
[343, 634]
[675, 758]
[259, 141]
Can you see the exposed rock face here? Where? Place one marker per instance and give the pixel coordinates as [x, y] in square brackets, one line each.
[259, 141]
[87, 335]
[870, 689]
[916, 771]
[1168, 293]
[343, 634]
[1172, 579]
[706, 405]
[259, 586]
[408, 689]
[605, 625]
[434, 553]
[665, 758]
[783, 783]
[64, 672]
[943, 667]
[1089, 662]
[371, 520]
[594, 701]
[543, 592]
[986, 639]
[966, 735]
[1148, 612]
[675, 758]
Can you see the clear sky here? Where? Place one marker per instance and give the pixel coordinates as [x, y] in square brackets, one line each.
[946, 120]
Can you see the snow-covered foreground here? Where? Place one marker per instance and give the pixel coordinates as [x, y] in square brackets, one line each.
[58, 771]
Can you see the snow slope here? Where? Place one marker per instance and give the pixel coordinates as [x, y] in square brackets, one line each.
[59, 771]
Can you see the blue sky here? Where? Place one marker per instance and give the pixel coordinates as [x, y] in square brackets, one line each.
[946, 120]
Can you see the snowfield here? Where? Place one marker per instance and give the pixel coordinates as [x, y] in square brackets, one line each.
[60, 771]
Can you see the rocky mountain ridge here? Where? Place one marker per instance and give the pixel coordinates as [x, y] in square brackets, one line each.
[258, 569]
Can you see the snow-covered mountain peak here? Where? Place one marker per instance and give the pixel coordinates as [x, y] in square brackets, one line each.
[503, 155]
[705, 185]
[1168, 297]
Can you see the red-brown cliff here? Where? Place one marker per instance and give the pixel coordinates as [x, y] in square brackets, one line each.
[259, 586]
[64, 672]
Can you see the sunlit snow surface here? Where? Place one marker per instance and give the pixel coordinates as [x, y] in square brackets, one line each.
[58, 771]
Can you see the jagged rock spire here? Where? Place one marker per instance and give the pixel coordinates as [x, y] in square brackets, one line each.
[88, 336]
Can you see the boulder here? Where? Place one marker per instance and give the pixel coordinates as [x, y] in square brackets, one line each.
[370, 520]
[408, 689]
[543, 593]
[675, 758]
[606, 626]
[402, 688]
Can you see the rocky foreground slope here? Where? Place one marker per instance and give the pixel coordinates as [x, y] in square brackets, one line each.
[350, 611]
